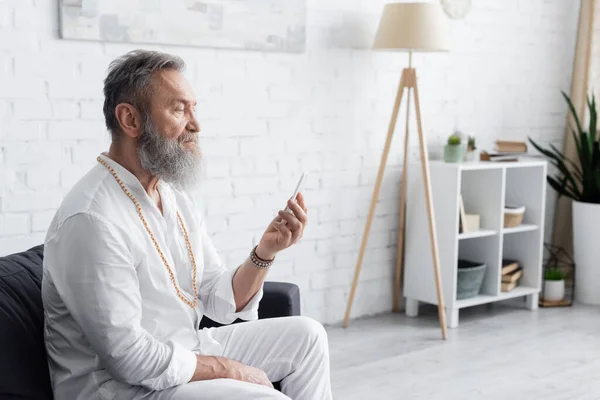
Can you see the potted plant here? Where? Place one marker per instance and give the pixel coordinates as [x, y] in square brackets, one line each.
[453, 151]
[471, 147]
[579, 179]
[554, 284]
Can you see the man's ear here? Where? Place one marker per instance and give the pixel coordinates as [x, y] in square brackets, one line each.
[129, 119]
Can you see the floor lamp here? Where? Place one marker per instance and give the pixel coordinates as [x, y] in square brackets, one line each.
[409, 27]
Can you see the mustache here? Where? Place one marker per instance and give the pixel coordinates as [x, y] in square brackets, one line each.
[192, 136]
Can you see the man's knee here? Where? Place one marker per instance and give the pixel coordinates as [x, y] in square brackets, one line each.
[312, 330]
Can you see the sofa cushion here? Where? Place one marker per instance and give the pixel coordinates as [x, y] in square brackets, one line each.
[23, 364]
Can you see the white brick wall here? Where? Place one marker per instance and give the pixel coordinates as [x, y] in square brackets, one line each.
[266, 117]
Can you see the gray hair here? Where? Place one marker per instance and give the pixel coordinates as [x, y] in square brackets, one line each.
[129, 81]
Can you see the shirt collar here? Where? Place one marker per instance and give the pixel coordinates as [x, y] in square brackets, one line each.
[123, 173]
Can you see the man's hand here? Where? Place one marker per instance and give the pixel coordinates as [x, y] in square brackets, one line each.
[246, 373]
[211, 367]
[279, 236]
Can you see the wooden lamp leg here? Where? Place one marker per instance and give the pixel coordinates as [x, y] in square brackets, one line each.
[428, 198]
[375, 196]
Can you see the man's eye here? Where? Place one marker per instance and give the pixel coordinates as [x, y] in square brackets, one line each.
[179, 110]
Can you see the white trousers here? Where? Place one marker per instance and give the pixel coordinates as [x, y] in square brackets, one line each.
[292, 350]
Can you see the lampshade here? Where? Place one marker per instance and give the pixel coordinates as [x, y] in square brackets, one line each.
[412, 27]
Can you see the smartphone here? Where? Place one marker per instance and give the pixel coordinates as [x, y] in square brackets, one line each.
[299, 187]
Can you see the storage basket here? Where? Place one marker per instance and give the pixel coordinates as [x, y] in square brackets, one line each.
[469, 279]
[513, 215]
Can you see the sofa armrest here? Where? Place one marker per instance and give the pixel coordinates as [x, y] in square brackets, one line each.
[280, 299]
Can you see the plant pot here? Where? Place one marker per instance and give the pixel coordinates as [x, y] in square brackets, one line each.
[453, 153]
[554, 290]
[471, 156]
[469, 279]
[586, 231]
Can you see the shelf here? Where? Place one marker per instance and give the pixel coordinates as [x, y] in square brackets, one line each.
[521, 228]
[476, 234]
[475, 301]
[517, 292]
[486, 298]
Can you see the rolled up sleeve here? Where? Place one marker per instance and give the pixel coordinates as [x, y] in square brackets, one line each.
[216, 288]
[95, 276]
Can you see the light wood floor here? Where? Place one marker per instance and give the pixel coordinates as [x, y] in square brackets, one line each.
[497, 352]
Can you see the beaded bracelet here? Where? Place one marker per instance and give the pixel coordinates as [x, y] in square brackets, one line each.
[259, 262]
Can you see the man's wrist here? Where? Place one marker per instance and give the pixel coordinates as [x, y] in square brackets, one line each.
[265, 254]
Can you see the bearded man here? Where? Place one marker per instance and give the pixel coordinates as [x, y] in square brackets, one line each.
[129, 269]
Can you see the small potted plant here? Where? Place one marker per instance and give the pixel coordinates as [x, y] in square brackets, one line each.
[471, 147]
[453, 151]
[554, 284]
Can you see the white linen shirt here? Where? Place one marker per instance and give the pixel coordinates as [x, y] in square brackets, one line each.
[112, 316]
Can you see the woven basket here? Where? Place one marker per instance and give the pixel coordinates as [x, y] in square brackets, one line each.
[513, 215]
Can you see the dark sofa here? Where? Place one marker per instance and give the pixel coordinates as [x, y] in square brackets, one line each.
[23, 364]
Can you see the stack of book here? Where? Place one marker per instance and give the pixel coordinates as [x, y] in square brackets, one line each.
[511, 273]
[506, 150]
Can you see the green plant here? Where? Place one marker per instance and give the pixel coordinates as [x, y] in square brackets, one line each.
[577, 179]
[554, 274]
[471, 143]
[454, 140]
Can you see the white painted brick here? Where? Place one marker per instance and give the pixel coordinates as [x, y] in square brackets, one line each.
[40, 221]
[31, 201]
[64, 109]
[14, 224]
[337, 244]
[321, 231]
[42, 178]
[217, 187]
[63, 88]
[92, 110]
[18, 131]
[70, 176]
[242, 166]
[338, 180]
[220, 147]
[15, 244]
[5, 16]
[302, 250]
[46, 66]
[331, 278]
[244, 186]
[61, 130]
[232, 240]
[216, 224]
[285, 92]
[216, 167]
[312, 263]
[5, 109]
[21, 88]
[259, 147]
[7, 177]
[18, 40]
[266, 166]
[229, 205]
[249, 221]
[237, 127]
[33, 153]
[32, 109]
[281, 269]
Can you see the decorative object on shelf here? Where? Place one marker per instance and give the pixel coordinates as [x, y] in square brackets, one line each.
[579, 180]
[511, 273]
[513, 215]
[554, 285]
[472, 222]
[470, 154]
[559, 274]
[408, 27]
[469, 279]
[467, 222]
[453, 150]
[266, 25]
[463, 226]
[456, 9]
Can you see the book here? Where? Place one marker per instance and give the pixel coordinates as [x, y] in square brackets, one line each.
[509, 266]
[513, 276]
[499, 157]
[510, 146]
[507, 287]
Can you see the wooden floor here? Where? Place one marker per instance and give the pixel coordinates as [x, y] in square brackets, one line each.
[497, 352]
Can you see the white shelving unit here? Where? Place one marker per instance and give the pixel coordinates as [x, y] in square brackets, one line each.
[485, 187]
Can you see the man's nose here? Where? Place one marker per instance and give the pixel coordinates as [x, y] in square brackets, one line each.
[193, 125]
